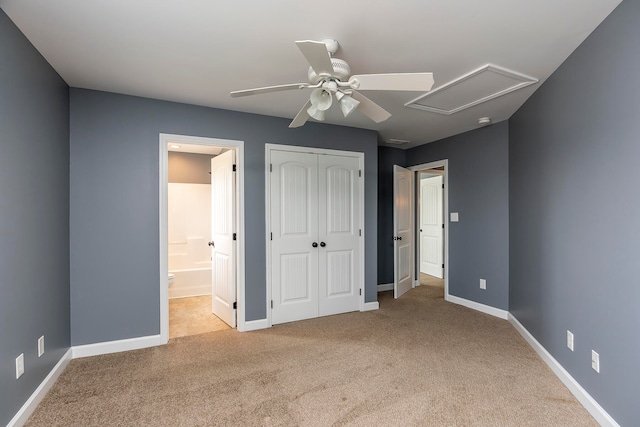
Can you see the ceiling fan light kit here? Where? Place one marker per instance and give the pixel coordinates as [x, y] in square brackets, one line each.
[329, 77]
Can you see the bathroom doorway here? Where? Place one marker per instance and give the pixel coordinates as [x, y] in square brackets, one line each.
[200, 264]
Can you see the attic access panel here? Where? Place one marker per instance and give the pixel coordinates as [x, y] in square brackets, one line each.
[485, 83]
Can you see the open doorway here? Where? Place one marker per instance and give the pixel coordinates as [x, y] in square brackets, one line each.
[429, 205]
[201, 262]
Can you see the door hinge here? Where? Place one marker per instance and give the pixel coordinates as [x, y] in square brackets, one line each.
[360, 232]
[235, 236]
[442, 225]
[270, 167]
[360, 172]
[360, 291]
[271, 235]
[443, 186]
[235, 305]
[442, 265]
[271, 303]
[234, 168]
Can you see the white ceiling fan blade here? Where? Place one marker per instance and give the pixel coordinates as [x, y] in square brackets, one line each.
[418, 82]
[317, 55]
[370, 108]
[302, 116]
[259, 90]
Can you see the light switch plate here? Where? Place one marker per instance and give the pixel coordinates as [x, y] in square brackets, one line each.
[483, 283]
[454, 216]
[570, 340]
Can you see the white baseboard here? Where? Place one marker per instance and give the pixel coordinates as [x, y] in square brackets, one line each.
[370, 306]
[385, 287]
[188, 292]
[116, 346]
[254, 325]
[596, 411]
[30, 405]
[487, 309]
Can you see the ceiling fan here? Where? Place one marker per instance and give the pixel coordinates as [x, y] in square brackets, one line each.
[331, 78]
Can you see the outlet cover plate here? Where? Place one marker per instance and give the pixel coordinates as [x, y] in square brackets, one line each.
[595, 361]
[483, 283]
[19, 365]
[40, 346]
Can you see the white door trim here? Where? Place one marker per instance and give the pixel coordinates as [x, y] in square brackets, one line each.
[267, 186]
[164, 139]
[417, 169]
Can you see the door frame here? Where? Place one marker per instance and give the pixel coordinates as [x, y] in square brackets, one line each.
[267, 187]
[238, 146]
[416, 209]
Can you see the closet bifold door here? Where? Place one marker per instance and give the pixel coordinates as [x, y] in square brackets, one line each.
[338, 222]
[294, 224]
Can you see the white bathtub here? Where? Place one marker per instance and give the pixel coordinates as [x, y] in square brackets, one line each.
[190, 283]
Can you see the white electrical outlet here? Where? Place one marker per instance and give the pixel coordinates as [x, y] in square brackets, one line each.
[595, 361]
[570, 340]
[483, 284]
[19, 365]
[41, 346]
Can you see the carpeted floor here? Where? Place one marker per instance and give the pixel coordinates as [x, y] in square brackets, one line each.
[417, 360]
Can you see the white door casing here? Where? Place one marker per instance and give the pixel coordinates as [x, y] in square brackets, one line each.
[294, 224]
[431, 226]
[403, 230]
[223, 227]
[338, 222]
[315, 250]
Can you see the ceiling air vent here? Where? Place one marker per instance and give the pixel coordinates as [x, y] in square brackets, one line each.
[397, 141]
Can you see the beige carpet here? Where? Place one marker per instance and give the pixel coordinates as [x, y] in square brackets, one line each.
[416, 361]
[192, 316]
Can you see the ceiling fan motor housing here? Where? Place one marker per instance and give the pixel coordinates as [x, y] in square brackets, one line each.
[341, 72]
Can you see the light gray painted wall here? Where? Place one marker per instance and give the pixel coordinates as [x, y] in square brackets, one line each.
[575, 213]
[34, 216]
[387, 157]
[478, 175]
[114, 211]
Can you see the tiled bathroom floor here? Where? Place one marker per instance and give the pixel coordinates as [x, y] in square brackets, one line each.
[192, 316]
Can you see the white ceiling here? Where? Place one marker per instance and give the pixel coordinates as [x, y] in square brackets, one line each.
[197, 51]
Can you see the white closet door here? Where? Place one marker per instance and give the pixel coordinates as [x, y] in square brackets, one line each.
[431, 230]
[339, 251]
[294, 224]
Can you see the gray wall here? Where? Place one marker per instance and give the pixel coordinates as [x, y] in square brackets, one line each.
[189, 168]
[575, 210]
[478, 175]
[34, 216]
[114, 211]
[387, 157]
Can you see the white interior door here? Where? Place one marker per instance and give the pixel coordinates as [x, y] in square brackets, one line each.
[403, 230]
[338, 231]
[223, 269]
[431, 229]
[294, 228]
